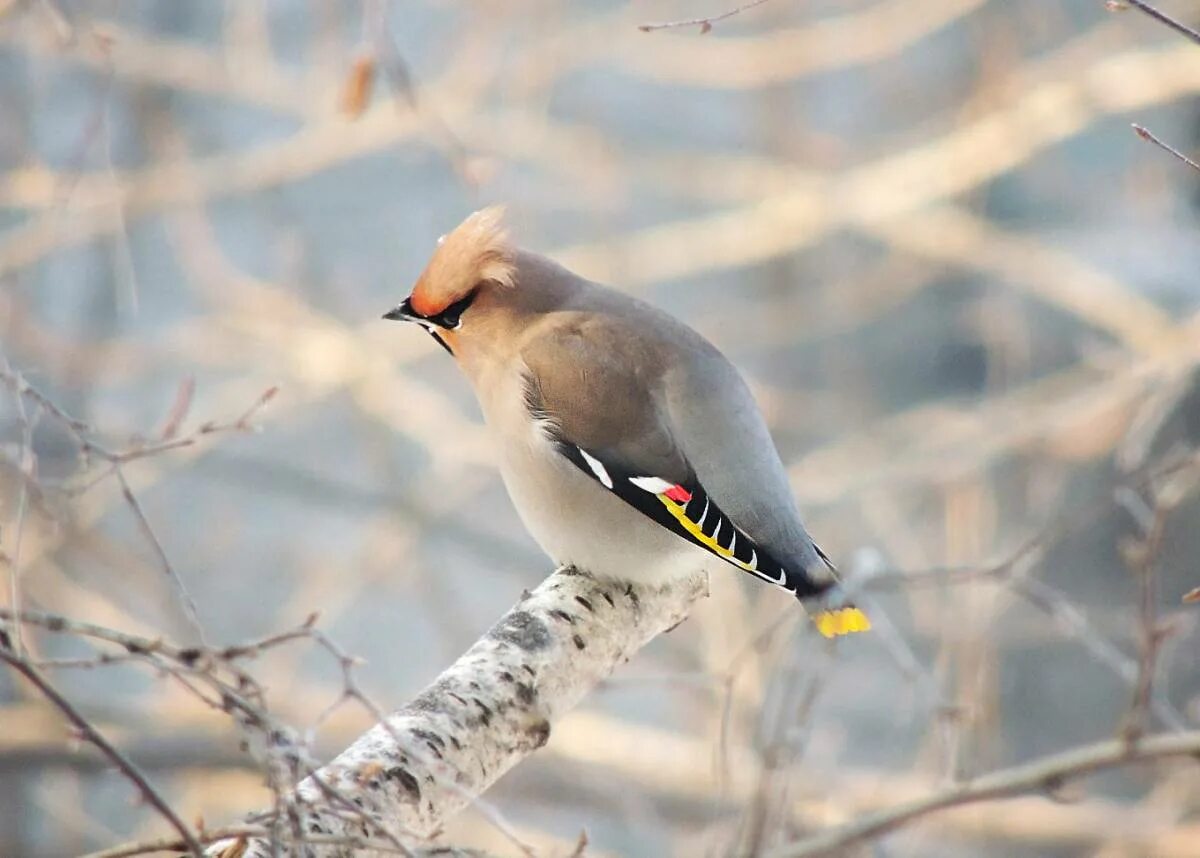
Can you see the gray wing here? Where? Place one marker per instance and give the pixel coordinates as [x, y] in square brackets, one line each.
[597, 393]
[652, 411]
[719, 426]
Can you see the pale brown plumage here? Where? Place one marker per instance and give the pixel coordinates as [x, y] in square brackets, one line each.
[619, 427]
[476, 251]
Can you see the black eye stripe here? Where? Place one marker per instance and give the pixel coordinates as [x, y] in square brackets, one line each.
[450, 316]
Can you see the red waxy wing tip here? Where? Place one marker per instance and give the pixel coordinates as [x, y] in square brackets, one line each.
[678, 494]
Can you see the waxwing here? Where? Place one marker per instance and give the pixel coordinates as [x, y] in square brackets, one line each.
[630, 446]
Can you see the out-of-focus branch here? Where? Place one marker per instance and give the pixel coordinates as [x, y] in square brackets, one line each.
[1149, 136]
[1164, 18]
[243, 833]
[705, 24]
[787, 54]
[1052, 108]
[1183, 30]
[90, 448]
[489, 710]
[1046, 774]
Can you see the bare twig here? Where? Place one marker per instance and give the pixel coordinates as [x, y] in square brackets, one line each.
[705, 24]
[90, 447]
[91, 734]
[190, 608]
[1072, 620]
[1146, 134]
[1141, 556]
[245, 832]
[1161, 17]
[179, 409]
[239, 695]
[1013, 570]
[27, 467]
[1044, 775]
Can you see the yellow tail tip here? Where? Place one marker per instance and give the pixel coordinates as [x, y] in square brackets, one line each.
[841, 621]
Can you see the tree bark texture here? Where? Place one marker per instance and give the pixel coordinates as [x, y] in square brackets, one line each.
[488, 711]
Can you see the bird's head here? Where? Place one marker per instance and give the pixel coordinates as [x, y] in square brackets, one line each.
[472, 261]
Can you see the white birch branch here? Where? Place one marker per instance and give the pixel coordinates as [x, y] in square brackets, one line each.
[484, 714]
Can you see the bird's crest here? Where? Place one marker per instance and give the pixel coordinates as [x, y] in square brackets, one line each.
[475, 251]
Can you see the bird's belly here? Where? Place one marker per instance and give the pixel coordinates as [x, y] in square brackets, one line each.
[580, 523]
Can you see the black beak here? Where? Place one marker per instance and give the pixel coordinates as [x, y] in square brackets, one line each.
[404, 313]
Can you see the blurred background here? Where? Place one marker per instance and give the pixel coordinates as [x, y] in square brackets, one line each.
[966, 294]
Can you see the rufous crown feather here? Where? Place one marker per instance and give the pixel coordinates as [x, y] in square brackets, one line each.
[475, 251]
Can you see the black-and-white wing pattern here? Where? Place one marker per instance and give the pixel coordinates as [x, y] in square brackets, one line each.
[688, 511]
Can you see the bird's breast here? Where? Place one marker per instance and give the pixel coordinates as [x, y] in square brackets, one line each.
[574, 519]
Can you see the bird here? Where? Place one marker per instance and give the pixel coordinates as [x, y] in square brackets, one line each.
[630, 446]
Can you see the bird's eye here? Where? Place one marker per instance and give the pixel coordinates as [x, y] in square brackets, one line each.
[451, 317]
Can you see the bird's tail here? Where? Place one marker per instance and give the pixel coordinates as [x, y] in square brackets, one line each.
[835, 614]
[846, 620]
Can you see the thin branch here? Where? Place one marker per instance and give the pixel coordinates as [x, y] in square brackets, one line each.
[1044, 775]
[1074, 622]
[1146, 134]
[90, 447]
[191, 610]
[87, 731]
[705, 24]
[238, 695]
[245, 832]
[184, 395]
[1141, 557]
[27, 468]
[1164, 18]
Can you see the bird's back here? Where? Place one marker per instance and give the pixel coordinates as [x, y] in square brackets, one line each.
[702, 406]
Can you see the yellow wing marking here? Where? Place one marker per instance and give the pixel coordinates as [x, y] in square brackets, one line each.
[699, 535]
[831, 624]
